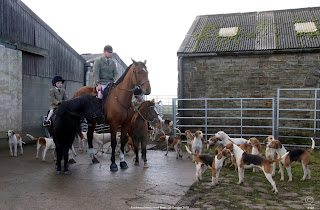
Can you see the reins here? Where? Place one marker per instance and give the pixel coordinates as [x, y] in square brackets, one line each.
[130, 90]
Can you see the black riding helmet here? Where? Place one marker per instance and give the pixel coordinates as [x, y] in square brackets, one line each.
[57, 79]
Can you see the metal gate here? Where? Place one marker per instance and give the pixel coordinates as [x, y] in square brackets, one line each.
[298, 114]
[244, 116]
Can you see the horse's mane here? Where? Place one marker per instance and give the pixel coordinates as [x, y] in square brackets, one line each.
[123, 75]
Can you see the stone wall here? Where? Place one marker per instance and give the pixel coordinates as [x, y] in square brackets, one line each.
[249, 76]
[11, 92]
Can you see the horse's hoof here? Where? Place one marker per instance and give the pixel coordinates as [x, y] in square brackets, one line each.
[58, 172]
[72, 161]
[113, 167]
[95, 160]
[67, 172]
[146, 165]
[136, 163]
[123, 165]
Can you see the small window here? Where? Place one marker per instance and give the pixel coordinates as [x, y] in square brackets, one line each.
[232, 31]
[306, 27]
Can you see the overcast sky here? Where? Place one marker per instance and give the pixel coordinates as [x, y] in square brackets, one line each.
[141, 29]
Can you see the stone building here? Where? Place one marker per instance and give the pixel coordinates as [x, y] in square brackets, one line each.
[250, 55]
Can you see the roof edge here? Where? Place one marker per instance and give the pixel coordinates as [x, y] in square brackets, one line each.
[259, 52]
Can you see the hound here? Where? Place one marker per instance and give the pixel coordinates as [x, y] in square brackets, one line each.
[271, 153]
[294, 155]
[215, 163]
[226, 139]
[245, 160]
[14, 141]
[190, 138]
[176, 143]
[197, 143]
[47, 143]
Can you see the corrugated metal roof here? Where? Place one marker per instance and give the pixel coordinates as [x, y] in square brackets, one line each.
[257, 31]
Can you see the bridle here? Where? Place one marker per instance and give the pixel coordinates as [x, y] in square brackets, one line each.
[139, 83]
[144, 118]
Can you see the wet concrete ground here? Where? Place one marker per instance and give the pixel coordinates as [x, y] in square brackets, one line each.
[27, 183]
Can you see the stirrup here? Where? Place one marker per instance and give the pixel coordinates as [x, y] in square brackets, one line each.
[46, 123]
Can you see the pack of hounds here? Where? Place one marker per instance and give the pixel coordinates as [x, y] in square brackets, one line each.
[243, 153]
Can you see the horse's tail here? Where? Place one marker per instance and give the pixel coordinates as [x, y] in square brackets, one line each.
[179, 132]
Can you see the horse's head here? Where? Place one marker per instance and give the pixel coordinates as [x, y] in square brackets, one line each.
[91, 108]
[150, 111]
[140, 77]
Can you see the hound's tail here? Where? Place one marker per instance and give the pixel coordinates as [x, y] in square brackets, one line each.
[32, 138]
[277, 160]
[313, 145]
[190, 151]
[179, 132]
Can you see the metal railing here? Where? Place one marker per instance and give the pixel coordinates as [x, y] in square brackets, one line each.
[298, 113]
[237, 114]
[165, 105]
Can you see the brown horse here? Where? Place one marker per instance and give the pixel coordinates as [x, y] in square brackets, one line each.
[147, 112]
[118, 108]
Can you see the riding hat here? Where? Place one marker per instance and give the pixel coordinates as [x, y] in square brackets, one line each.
[57, 79]
[108, 48]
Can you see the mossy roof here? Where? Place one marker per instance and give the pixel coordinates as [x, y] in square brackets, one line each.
[257, 31]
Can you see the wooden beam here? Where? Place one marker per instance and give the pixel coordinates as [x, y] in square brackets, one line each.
[25, 47]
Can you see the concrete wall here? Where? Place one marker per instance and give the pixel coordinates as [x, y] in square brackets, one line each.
[10, 90]
[35, 101]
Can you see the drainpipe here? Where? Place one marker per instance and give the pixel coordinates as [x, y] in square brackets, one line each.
[88, 67]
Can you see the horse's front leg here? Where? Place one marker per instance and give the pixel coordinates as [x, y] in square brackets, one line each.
[113, 166]
[124, 140]
[66, 160]
[59, 157]
[91, 128]
[136, 150]
[144, 151]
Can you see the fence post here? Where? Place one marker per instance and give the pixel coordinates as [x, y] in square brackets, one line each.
[315, 114]
[206, 119]
[174, 117]
[278, 114]
[241, 115]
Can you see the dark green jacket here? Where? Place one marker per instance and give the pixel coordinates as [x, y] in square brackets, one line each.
[103, 72]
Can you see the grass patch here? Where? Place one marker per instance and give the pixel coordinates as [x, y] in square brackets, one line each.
[256, 191]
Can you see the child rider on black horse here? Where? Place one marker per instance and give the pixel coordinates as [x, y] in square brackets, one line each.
[57, 96]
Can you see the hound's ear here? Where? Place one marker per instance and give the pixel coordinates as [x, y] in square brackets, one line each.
[278, 145]
[13, 133]
[152, 101]
[145, 62]
[219, 155]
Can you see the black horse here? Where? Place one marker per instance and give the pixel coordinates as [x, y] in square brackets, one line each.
[66, 124]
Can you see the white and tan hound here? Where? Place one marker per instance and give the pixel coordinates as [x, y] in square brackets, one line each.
[271, 153]
[214, 162]
[245, 160]
[294, 155]
[47, 143]
[14, 141]
[226, 139]
[190, 138]
[197, 143]
[175, 142]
